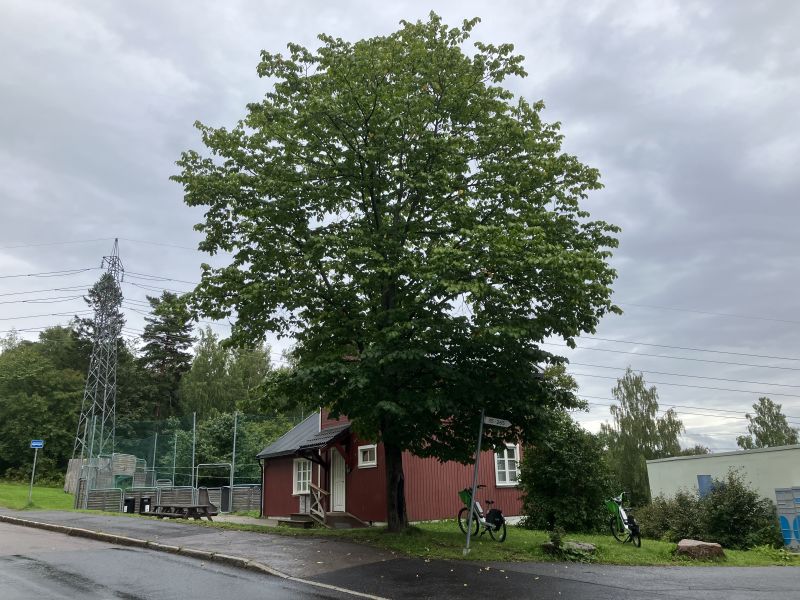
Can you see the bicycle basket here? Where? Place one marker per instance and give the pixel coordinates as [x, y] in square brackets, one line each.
[465, 496]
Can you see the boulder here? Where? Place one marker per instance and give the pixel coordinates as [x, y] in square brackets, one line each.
[697, 549]
[576, 547]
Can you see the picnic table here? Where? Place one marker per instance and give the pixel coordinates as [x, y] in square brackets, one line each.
[184, 511]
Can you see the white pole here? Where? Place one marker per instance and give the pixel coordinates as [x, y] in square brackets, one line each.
[155, 446]
[194, 441]
[233, 458]
[474, 485]
[33, 473]
[174, 455]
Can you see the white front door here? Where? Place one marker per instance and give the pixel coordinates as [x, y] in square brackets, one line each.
[337, 481]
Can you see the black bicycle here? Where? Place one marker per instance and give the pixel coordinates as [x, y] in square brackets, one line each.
[494, 522]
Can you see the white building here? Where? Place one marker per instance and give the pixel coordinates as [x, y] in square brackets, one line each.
[765, 469]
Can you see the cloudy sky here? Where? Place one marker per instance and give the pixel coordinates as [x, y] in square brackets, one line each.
[689, 110]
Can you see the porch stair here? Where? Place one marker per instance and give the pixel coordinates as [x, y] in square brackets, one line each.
[298, 520]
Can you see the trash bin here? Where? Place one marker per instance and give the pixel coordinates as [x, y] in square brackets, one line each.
[225, 499]
[129, 505]
[144, 505]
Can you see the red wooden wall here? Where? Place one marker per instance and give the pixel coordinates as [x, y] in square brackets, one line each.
[277, 488]
[432, 488]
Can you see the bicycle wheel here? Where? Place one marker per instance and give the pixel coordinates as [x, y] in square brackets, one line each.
[499, 534]
[616, 531]
[463, 514]
[636, 539]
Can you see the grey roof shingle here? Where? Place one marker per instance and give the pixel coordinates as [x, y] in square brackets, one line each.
[324, 437]
[291, 441]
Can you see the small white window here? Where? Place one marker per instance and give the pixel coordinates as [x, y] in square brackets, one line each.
[506, 466]
[367, 456]
[301, 476]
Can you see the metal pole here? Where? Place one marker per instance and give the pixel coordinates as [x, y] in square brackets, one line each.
[174, 455]
[33, 473]
[233, 458]
[474, 485]
[194, 441]
[155, 447]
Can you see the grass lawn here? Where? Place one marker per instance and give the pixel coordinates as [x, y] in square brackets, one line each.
[443, 540]
[15, 495]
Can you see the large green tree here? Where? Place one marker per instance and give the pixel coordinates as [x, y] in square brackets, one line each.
[39, 398]
[225, 379]
[637, 434]
[767, 426]
[165, 354]
[417, 229]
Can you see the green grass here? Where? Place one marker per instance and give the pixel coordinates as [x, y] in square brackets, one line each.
[443, 540]
[15, 495]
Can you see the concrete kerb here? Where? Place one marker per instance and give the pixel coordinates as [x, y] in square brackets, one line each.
[227, 559]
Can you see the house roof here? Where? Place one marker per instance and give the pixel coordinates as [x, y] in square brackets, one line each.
[324, 437]
[290, 442]
[731, 453]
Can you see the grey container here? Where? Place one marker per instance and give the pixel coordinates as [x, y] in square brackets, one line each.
[787, 501]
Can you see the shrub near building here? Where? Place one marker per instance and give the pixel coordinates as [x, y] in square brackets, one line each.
[732, 514]
[565, 479]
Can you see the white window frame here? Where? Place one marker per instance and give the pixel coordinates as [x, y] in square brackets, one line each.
[369, 464]
[296, 489]
[505, 457]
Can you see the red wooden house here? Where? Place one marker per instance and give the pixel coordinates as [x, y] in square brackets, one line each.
[320, 466]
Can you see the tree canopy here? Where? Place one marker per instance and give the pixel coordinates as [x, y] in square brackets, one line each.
[767, 426]
[637, 434]
[414, 226]
[167, 338]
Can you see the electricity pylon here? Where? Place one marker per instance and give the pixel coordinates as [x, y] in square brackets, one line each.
[97, 420]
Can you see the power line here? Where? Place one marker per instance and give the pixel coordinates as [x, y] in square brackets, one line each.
[692, 349]
[691, 376]
[62, 273]
[56, 243]
[60, 289]
[708, 312]
[64, 314]
[49, 300]
[147, 277]
[669, 357]
[699, 387]
[159, 244]
[691, 407]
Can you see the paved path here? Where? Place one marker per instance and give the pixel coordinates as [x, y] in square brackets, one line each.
[382, 573]
[43, 565]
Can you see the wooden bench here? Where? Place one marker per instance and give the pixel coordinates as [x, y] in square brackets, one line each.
[184, 511]
[204, 508]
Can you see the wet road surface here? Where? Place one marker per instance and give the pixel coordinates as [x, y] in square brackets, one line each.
[42, 565]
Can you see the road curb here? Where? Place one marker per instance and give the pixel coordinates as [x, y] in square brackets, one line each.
[205, 555]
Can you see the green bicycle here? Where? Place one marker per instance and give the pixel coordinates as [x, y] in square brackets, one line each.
[623, 526]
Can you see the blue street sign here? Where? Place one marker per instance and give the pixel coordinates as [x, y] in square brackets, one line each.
[37, 443]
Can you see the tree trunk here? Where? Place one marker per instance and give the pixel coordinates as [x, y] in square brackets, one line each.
[395, 488]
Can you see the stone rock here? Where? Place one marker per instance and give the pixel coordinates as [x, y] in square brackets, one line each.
[583, 547]
[697, 549]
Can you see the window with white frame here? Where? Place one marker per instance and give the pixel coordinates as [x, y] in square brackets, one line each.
[506, 466]
[301, 476]
[367, 456]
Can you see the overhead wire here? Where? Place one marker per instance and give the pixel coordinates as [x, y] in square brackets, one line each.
[700, 387]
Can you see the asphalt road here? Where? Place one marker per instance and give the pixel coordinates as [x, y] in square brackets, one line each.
[53, 563]
[41, 565]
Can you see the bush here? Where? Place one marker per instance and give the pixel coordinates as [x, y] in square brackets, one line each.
[672, 519]
[733, 515]
[736, 516]
[565, 479]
